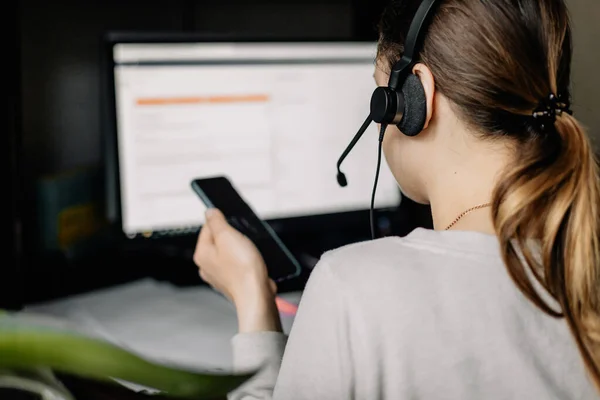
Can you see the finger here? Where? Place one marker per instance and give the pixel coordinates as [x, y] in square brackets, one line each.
[217, 222]
[204, 245]
[273, 286]
[206, 277]
[205, 237]
[202, 275]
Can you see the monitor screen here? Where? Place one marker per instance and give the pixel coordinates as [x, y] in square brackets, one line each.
[272, 117]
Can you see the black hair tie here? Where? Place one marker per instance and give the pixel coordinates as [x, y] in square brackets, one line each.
[549, 108]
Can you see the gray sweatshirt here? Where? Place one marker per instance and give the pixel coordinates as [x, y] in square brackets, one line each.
[433, 315]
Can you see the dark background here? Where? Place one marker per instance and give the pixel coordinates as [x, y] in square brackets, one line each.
[10, 156]
[54, 54]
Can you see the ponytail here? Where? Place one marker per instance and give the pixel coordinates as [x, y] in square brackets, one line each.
[552, 196]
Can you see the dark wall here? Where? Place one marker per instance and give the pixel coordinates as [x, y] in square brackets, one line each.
[10, 171]
[366, 17]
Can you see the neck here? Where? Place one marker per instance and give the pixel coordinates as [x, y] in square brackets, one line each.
[469, 183]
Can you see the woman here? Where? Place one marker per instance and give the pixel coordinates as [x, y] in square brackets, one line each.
[500, 300]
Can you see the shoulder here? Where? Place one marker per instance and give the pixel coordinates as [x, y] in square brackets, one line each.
[419, 252]
[367, 263]
[370, 251]
[425, 261]
[418, 249]
[422, 241]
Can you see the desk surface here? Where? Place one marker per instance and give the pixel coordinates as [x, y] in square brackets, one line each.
[190, 327]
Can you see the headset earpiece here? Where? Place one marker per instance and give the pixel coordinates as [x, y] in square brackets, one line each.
[415, 106]
[407, 108]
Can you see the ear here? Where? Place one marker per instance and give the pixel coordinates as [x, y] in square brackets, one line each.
[428, 82]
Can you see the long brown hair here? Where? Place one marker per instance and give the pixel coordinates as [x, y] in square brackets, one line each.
[496, 61]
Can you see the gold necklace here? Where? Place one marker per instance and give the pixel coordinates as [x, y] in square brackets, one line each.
[466, 212]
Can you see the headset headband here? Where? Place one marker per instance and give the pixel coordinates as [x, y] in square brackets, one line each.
[414, 40]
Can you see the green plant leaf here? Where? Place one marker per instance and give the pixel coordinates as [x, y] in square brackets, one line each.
[25, 346]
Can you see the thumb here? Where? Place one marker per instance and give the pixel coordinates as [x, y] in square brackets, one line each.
[216, 222]
[273, 286]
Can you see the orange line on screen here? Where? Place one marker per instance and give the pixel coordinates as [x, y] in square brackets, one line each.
[162, 101]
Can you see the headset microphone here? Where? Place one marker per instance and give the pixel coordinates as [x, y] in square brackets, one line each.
[341, 178]
[402, 102]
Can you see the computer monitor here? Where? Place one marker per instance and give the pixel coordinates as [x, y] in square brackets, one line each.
[272, 116]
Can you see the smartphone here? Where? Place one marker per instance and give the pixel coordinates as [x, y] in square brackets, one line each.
[218, 192]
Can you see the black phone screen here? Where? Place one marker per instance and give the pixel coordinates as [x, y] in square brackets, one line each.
[219, 193]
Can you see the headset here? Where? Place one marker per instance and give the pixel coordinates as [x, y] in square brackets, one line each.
[407, 107]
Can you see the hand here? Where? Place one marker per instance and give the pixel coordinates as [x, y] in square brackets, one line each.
[228, 260]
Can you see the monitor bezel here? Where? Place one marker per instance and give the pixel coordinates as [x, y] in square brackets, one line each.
[339, 221]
